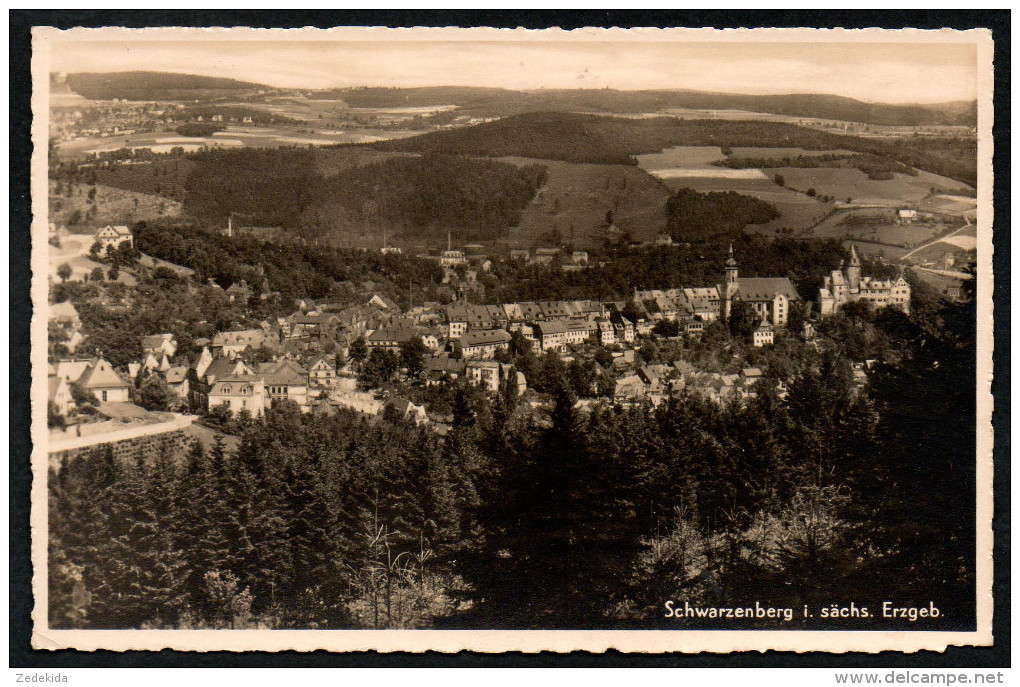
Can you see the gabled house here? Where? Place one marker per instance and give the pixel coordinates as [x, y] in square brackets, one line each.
[233, 344]
[60, 394]
[204, 360]
[160, 344]
[70, 369]
[239, 392]
[484, 343]
[322, 373]
[200, 385]
[111, 236]
[103, 381]
[405, 410]
[285, 380]
[629, 389]
[552, 336]
[606, 333]
[381, 302]
[239, 292]
[177, 380]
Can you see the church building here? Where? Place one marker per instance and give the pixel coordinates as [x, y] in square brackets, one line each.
[769, 297]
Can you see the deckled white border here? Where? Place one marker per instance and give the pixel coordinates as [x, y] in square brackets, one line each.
[652, 641]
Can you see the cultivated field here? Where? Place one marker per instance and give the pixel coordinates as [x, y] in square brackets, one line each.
[949, 204]
[841, 183]
[231, 137]
[961, 244]
[576, 197]
[878, 250]
[785, 152]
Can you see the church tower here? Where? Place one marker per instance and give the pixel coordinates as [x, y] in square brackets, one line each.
[731, 268]
[729, 287]
[853, 271]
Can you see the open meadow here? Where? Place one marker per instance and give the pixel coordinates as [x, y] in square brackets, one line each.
[574, 202]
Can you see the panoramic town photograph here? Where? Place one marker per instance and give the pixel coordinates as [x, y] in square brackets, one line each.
[394, 334]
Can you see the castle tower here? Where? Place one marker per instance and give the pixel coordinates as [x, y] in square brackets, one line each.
[853, 271]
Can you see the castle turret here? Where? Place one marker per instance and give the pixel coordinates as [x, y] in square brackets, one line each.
[853, 271]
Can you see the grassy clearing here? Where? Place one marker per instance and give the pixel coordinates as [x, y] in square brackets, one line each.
[682, 157]
[74, 250]
[111, 205]
[573, 204]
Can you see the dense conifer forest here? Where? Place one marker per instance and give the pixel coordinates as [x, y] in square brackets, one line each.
[419, 197]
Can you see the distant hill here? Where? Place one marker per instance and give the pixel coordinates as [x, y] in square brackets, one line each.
[501, 102]
[573, 137]
[154, 86]
[600, 139]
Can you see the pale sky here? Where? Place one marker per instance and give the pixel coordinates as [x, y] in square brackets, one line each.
[922, 72]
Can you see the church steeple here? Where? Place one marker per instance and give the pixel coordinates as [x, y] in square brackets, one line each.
[729, 287]
[731, 268]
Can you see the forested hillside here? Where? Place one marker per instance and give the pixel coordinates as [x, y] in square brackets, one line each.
[418, 197]
[293, 270]
[615, 140]
[692, 215]
[163, 86]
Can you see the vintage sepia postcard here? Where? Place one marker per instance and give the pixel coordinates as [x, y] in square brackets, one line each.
[655, 340]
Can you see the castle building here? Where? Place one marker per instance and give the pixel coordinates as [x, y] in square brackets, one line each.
[769, 297]
[846, 285]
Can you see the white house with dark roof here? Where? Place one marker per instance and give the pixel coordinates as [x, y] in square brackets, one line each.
[113, 236]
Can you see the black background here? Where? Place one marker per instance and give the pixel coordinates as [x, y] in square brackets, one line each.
[21, 21]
